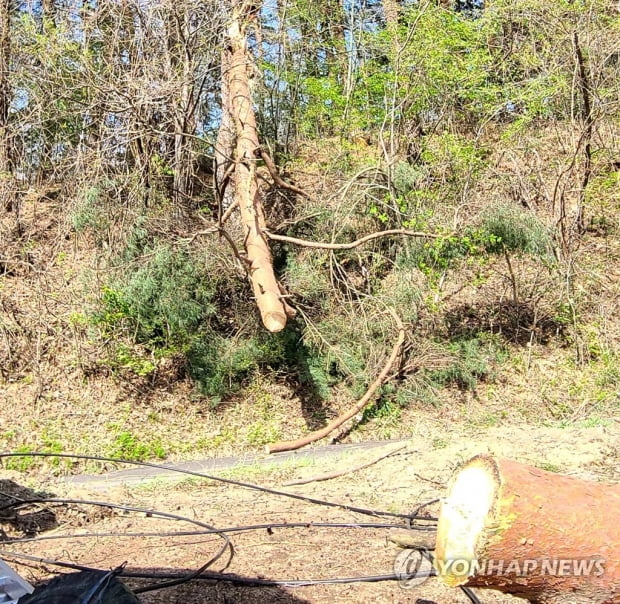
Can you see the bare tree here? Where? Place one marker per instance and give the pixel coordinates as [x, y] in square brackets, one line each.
[5, 102]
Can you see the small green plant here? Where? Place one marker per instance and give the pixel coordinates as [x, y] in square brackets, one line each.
[512, 229]
[126, 358]
[21, 463]
[549, 467]
[127, 446]
[89, 212]
[262, 432]
[440, 443]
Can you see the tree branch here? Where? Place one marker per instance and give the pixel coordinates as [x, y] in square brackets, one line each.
[318, 434]
[273, 171]
[352, 244]
[339, 473]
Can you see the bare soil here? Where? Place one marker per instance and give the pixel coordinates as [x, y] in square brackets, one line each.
[399, 483]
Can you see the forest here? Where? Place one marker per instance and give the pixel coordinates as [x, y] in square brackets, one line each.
[227, 223]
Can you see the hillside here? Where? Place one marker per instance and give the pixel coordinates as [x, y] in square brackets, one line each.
[217, 218]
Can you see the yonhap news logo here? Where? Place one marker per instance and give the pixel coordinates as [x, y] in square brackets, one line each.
[413, 567]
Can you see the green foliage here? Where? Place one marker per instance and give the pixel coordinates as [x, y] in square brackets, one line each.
[21, 463]
[502, 229]
[472, 361]
[220, 365]
[124, 357]
[440, 254]
[89, 211]
[512, 229]
[162, 303]
[128, 446]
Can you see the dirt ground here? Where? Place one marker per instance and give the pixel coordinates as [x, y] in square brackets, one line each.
[415, 473]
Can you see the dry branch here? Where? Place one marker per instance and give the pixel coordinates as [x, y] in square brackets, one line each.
[352, 244]
[339, 473]
[273, 171]
[530, 533]
[327, 430]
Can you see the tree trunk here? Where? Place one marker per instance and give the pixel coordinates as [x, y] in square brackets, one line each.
[225, 144]
[5, 89]
[6, 173]
[530, 533]
[237, 71]
[184, 122]
[391, 11]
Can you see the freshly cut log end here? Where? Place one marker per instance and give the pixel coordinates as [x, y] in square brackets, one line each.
[530, 533]
[462, 522]
[274, 321]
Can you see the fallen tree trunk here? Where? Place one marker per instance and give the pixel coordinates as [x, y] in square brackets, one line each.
[237, 71]
[530, 533]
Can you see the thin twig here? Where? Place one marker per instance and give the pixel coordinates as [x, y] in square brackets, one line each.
[340, 473]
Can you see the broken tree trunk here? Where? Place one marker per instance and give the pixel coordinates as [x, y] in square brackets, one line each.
[530, 533]
[237, 72]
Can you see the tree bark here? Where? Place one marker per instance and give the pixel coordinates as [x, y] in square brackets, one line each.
[530, 533]
[7, 194]
[5, 87]
[225, 145]
[237, 72]
[391, 11]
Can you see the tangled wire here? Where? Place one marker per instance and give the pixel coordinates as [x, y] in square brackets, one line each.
[106, 578]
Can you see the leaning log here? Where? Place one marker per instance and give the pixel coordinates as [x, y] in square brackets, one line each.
[237, 72]
[530, 533]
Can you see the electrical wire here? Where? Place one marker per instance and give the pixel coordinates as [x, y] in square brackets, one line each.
[219, 576]
[232, 529]
[171, 579]
[238, 483]
[227, 545]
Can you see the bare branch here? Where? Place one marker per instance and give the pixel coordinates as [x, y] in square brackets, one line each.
[273, 171]
[352, 244]
[340, 473]
[318, 434]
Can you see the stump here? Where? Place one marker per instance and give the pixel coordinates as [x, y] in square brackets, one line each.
[530, 533]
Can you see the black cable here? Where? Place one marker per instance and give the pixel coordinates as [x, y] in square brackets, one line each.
[227, 577]
[232, 529]
[416, 513]
[169, 580]
[473, 598]
[168, 515]
[101, 585]
[247, 485]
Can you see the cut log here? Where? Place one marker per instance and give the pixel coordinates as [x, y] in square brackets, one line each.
[530, 533]
[237, 71]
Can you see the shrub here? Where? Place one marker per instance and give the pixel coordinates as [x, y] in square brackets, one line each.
[162, 303]
[473, 361]
[220, 365]
[513, 229]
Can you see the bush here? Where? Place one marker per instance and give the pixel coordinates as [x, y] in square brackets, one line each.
[163, 303]
[515, 230]
[220, 365]
[473, 361]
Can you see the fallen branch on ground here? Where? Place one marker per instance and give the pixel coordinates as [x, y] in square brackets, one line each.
[291, 445]
[340, 473]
